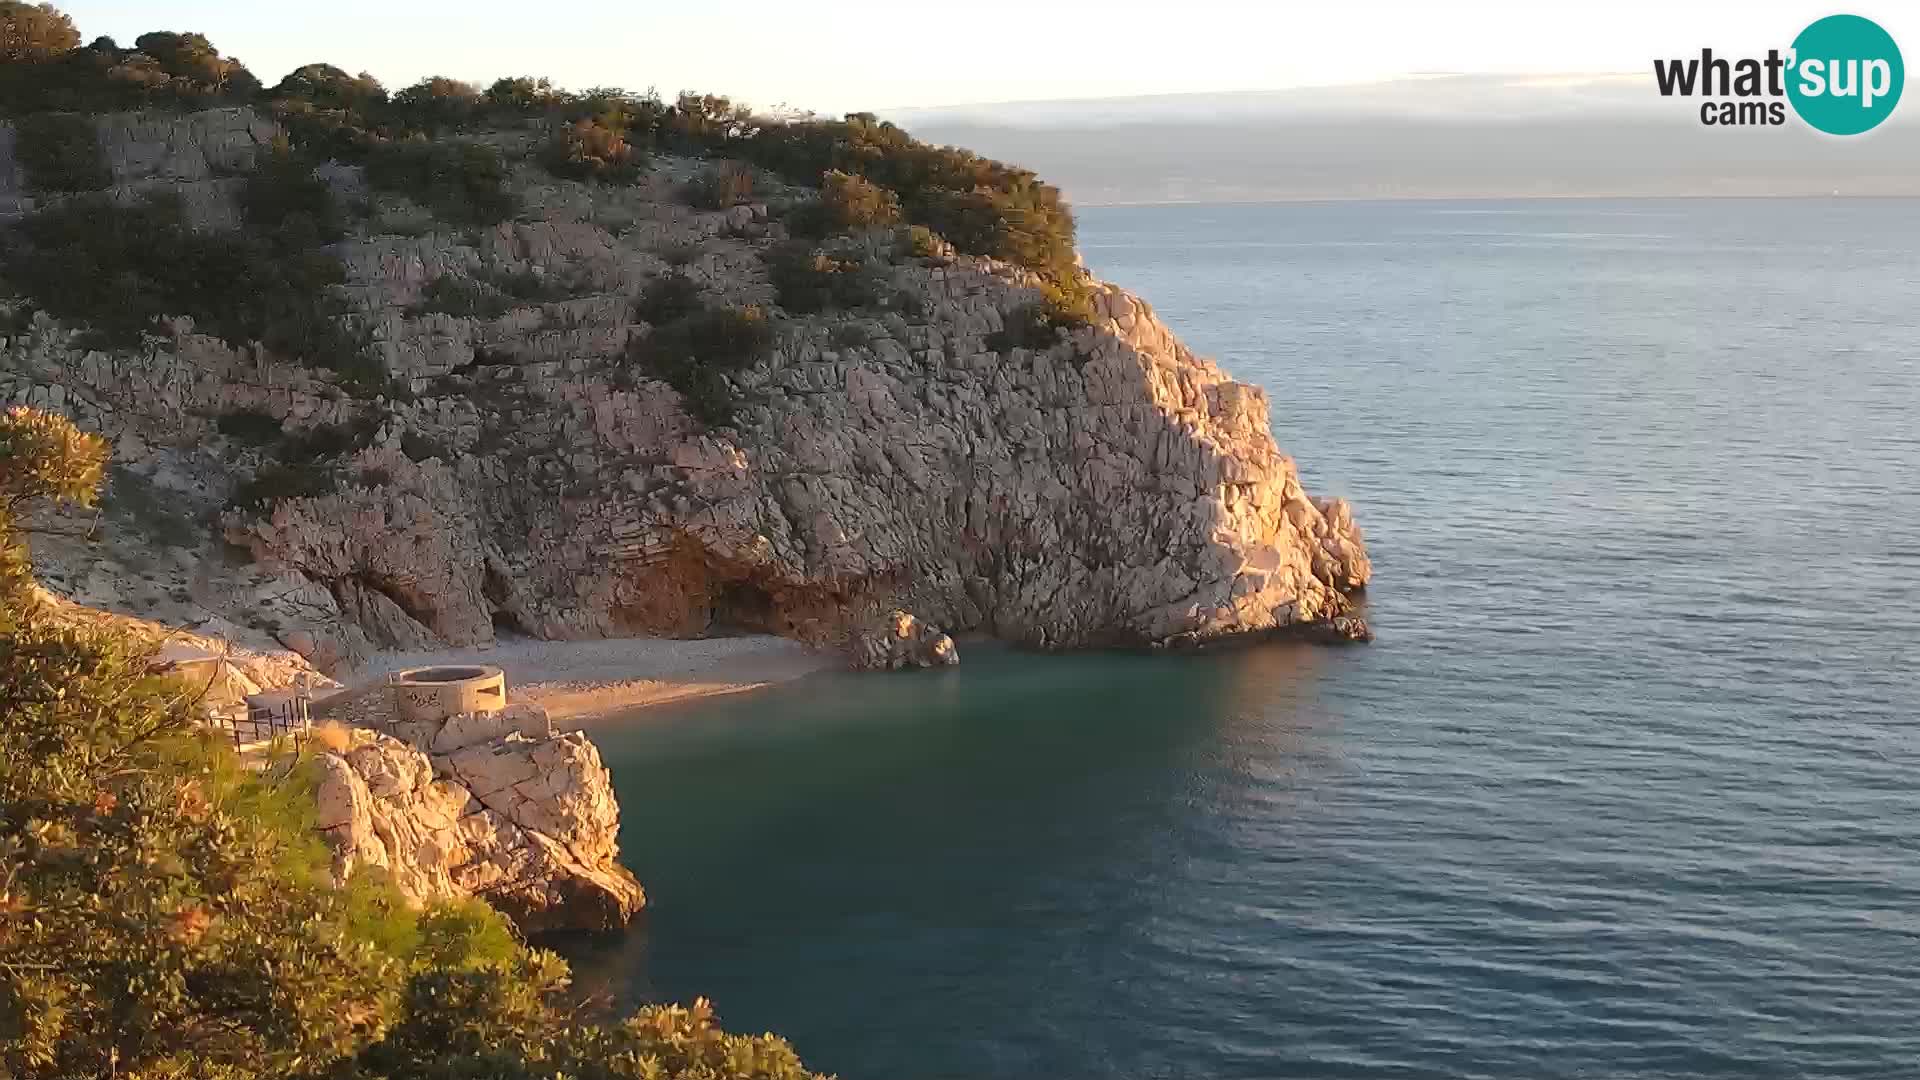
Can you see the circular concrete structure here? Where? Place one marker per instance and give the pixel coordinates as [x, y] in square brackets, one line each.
[435, 693]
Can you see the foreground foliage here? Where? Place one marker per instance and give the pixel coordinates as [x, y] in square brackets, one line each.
[166, 913]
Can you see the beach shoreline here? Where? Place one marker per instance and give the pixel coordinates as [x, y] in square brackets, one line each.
[589, 680]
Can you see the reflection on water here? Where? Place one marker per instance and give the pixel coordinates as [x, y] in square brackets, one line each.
[972, 805]
[1625, 788]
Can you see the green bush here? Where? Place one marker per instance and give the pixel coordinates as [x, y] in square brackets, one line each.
[589, 150]
[250, 426]
[162, 70]
[695, 353]
[120, 268]
[523, 95]
[34, 32]
[920, 242]
[667, 298]
[327, 87]
[1068, 298]
[420, 447]
[452, 295]
[283, 193]
[329, 442]
[720, 187]
[274, 481]
[437, 103]
[699, 121]
[460, 182]
[61, 152]
[981, 206]
[195, 72]
[168, 913]
[491, 292]
[1027, 327]
[807, 280]
[854, 202]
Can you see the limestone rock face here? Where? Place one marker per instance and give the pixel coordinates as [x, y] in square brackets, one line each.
[1113, 489]
[1109, 488]
[902, 641]
[516, 815]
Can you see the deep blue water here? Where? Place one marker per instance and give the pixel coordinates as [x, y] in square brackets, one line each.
[1628, 786]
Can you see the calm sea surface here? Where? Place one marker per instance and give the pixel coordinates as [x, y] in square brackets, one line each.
[1629, 786]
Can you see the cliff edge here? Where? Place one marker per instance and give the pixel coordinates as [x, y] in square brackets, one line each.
[531, 467]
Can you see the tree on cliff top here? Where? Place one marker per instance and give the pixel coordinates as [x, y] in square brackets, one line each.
[166, 913]
[30, 32]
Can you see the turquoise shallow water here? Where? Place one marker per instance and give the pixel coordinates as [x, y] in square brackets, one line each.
[1626, 787]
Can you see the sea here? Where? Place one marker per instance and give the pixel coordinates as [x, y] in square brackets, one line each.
[1627, 786]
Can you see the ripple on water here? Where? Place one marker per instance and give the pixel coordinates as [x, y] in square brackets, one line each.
[1624, 789]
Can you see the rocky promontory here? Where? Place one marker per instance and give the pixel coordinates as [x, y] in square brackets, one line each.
[518, 471]
[494, 805]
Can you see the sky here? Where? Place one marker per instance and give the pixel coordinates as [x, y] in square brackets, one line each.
[844, 55]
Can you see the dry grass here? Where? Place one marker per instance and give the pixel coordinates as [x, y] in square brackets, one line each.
[330, 737]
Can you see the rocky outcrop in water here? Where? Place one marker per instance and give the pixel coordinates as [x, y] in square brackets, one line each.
[494, 805]
[902, 641]
[1107, 488]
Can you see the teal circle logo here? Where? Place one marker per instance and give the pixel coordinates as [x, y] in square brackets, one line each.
[1847, 75]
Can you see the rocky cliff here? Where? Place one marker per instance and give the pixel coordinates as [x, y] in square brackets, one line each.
[1108, 488]
[494, 805]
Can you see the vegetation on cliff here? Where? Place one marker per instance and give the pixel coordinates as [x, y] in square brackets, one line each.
[122, 268]
[165, 912]
[420, 142]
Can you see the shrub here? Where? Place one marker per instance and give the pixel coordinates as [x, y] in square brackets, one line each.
[161, 70]
[1026, 327]
[284, 194]
[33, 32]
[682, 254]
[327, 87]
[807, 280]
[120, 268]
[589, 150]
[460, 182]
[919, 242]
[436, 103]
[807, 219]
[854, 202]
[1069, 299]
[667, 298]
[420, 447]
[529, 284]
[195, 72]
[250, 426]
[148, 874]
[61, 152]
[721, 186]
[274, 481]
[523, 95]
[453, 295]
[43, 457]
[981, 206]
[327, 442]
[640, 117]
[695, 353]
[704, 120]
